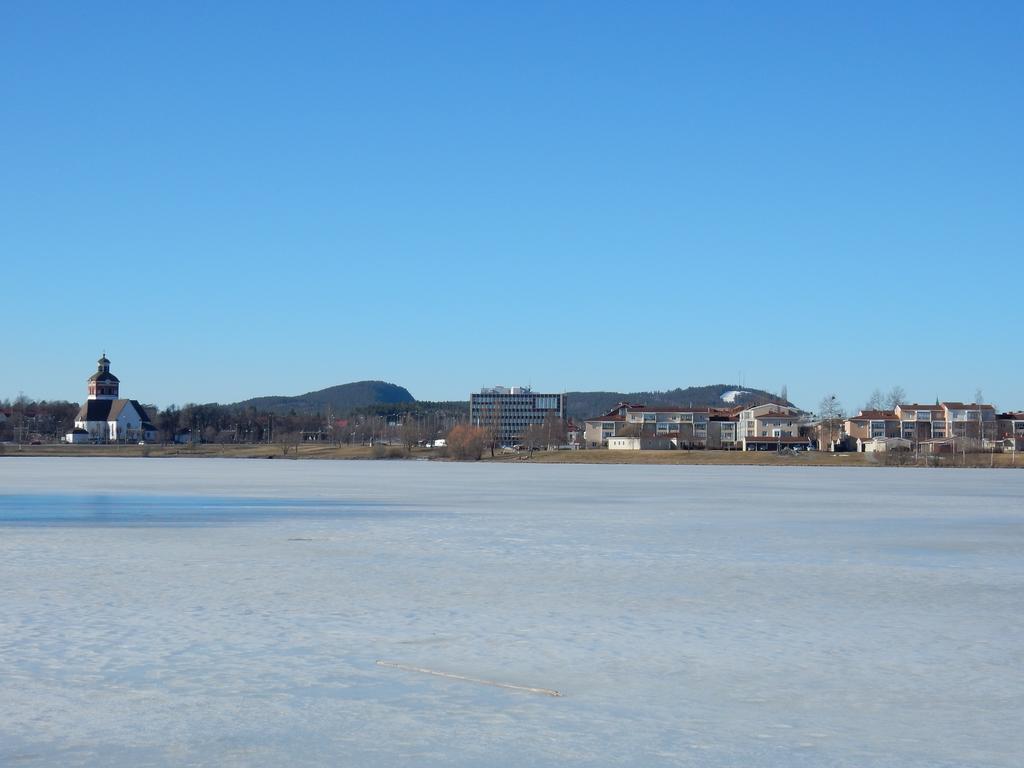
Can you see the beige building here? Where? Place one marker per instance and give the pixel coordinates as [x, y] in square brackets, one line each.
[685, 427]
[973, 421]
[768, 420]
[925, 423]
[868, 425]
[722, 429]
[921, 422]
[770, 426]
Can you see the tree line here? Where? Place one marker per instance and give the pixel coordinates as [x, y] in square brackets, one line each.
[27, 420]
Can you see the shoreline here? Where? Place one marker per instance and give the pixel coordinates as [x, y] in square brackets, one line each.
[327, 452]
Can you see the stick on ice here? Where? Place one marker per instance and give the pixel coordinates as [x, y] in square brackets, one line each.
[495, 683]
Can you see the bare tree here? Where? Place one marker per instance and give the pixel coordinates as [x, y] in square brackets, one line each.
[534, 436]
[979, 396]
[831, 414]
[410, 431]
[896, 396]
[876, 402]
[491, 422]
[554, 428]
[466, 442]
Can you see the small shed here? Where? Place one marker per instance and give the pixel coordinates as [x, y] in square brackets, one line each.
[639, 443]
[883, 444]
[77, 436]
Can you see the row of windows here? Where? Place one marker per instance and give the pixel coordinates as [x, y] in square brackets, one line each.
[539, 402]
[635, 417]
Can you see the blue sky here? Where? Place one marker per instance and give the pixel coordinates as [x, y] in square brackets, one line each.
[239, 199]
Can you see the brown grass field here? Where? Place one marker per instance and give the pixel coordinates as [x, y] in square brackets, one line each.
[328, 451]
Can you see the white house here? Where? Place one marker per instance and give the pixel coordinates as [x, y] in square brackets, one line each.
[883, 444]
[105, 417]
[651, 443]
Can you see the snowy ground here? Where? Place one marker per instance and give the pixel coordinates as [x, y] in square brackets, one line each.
[230, 612]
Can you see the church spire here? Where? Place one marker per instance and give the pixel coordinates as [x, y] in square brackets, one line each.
[103, 385]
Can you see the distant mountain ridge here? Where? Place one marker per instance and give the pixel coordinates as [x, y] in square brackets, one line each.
[344, 398]
[585, 405]
[340, 399]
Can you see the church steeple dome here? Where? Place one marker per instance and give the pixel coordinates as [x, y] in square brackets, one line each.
[103, 385]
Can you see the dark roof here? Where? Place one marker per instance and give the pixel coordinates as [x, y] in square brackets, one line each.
[876, 416]
[116, 408]
[733, 411]
[669, 408]
[969, 406]
[94, 410]
[121, 405]
[608, 417]
[107, 410]
[612, 414]
[103, 376]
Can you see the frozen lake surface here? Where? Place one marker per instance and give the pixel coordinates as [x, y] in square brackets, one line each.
[173, 612]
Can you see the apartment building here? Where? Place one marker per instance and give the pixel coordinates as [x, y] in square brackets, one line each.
[1011, 424]
[768, 420]
[975, 421]
[770, 426]
[922, 423]
[684, 427]
[722, 428]
[1010, 427]
[871, 424]
[510, 411]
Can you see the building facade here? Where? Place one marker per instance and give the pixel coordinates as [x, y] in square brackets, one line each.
[870, 424]
[510, 411]
[770, 426]
[106, 417]
[926, 423]
[686, 427]
[683, 427]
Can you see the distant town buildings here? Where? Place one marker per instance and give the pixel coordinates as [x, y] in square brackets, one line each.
[943, 427]
[634, 426]
[518, 418]
[510, 411]
[105, 417]
[935, 427]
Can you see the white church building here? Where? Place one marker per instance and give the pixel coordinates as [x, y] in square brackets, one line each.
[106, 418]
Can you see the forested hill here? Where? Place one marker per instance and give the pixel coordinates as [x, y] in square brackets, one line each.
[585, 405]
[339, 399]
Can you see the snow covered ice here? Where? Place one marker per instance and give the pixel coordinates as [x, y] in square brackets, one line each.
[230, 612]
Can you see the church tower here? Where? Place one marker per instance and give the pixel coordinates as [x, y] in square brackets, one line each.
[103, 385]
